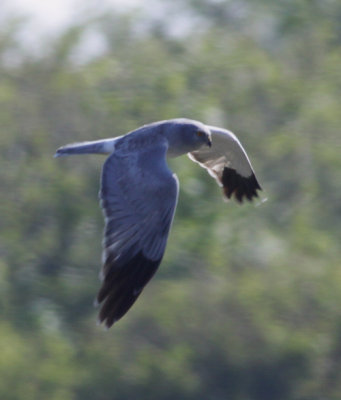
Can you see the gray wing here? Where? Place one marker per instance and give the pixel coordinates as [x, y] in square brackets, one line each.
[229, 164]
[138, 196]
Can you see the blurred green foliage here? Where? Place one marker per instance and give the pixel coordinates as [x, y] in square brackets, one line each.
[247, 302]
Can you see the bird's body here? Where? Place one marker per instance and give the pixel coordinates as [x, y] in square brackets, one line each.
[139, 195]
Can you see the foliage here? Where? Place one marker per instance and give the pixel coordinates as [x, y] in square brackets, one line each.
[246, 304]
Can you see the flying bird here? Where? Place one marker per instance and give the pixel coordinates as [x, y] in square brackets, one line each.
[139, 193]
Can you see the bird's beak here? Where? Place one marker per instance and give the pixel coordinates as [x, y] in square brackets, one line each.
[209, 142]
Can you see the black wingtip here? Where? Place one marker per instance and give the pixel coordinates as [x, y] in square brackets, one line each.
[239, 186]
[122, 286]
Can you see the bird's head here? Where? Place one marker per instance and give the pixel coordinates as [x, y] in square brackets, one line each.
[185, 135]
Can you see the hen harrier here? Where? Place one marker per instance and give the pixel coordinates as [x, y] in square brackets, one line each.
[139, 194]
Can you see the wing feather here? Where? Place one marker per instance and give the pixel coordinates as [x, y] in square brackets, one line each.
[138, 196]
[229, 164]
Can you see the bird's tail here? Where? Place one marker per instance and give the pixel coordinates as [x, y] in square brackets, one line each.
[104, 146]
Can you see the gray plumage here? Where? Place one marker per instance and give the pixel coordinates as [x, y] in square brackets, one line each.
[139, 194]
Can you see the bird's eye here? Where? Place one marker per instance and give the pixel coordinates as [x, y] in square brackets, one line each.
[200, 133]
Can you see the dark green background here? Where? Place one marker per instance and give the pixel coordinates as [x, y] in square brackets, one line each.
[247, 302]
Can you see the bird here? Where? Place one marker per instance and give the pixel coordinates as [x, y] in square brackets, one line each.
[139, 193]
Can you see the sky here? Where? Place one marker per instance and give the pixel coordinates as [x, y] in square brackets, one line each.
[53, 15]
[47, 18]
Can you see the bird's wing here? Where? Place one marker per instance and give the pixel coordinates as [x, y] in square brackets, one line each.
[229, 164]
[138, 196]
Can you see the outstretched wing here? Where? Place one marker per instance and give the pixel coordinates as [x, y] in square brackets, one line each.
[229, 164]
[138, 196]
